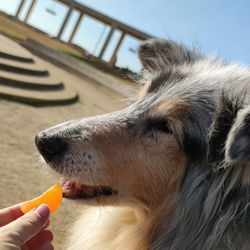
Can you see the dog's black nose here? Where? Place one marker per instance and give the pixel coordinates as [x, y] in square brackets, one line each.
[50, 146]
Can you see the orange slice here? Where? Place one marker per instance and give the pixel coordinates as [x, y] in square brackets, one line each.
[52, 197]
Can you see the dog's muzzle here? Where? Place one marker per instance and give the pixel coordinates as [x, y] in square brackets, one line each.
[50, 146]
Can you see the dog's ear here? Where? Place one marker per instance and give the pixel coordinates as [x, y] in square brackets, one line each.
[196, 128]
[157, 54]
[195, 123]
[238, 141]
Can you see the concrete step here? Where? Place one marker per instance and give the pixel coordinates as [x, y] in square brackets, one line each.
[37, 65]
[16, 58]
[30, 82]
[37, 98]
[22, 68]
[13, 51]
[25, 79]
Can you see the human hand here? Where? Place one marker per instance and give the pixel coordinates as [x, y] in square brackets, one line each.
[25, 232]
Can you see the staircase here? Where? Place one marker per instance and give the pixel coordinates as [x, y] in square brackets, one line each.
[24, 79]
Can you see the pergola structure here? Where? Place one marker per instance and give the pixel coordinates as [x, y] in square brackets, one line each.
[86, 11]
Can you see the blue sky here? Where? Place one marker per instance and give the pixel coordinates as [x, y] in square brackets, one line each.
[218, 26]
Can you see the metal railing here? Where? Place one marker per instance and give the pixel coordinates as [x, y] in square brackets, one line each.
[86, 11]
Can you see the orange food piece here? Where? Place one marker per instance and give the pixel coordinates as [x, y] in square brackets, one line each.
[52, 197]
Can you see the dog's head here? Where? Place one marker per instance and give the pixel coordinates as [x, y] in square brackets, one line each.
[140, 154]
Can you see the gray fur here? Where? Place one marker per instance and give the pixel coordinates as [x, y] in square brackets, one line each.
[212, 207]
[211, 210]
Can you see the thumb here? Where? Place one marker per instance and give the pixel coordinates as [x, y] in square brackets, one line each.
[27, 226]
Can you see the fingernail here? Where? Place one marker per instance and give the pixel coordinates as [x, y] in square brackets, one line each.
[43, 210]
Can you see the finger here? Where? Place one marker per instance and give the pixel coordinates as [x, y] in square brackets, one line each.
[27, 226]
[40, 239]
[10, 214]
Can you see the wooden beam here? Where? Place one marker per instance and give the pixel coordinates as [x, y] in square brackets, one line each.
[108, 20]
[113, 58]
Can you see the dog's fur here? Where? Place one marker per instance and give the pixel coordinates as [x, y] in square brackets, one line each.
[179, 158]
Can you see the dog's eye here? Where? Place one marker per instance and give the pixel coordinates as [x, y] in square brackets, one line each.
[160, 125]
[163, 127]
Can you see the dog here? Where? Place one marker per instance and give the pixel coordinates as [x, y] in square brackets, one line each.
[170, 171]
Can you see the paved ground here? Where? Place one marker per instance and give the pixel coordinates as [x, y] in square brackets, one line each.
[22, 177]
[12, 48]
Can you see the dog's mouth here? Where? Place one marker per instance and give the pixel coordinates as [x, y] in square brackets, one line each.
[73, 190]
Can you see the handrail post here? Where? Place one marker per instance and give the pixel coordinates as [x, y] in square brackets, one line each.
[20, 7]
[29, 11]
[75, 28]
[111, 32]
[113, 58]
[66, 19]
